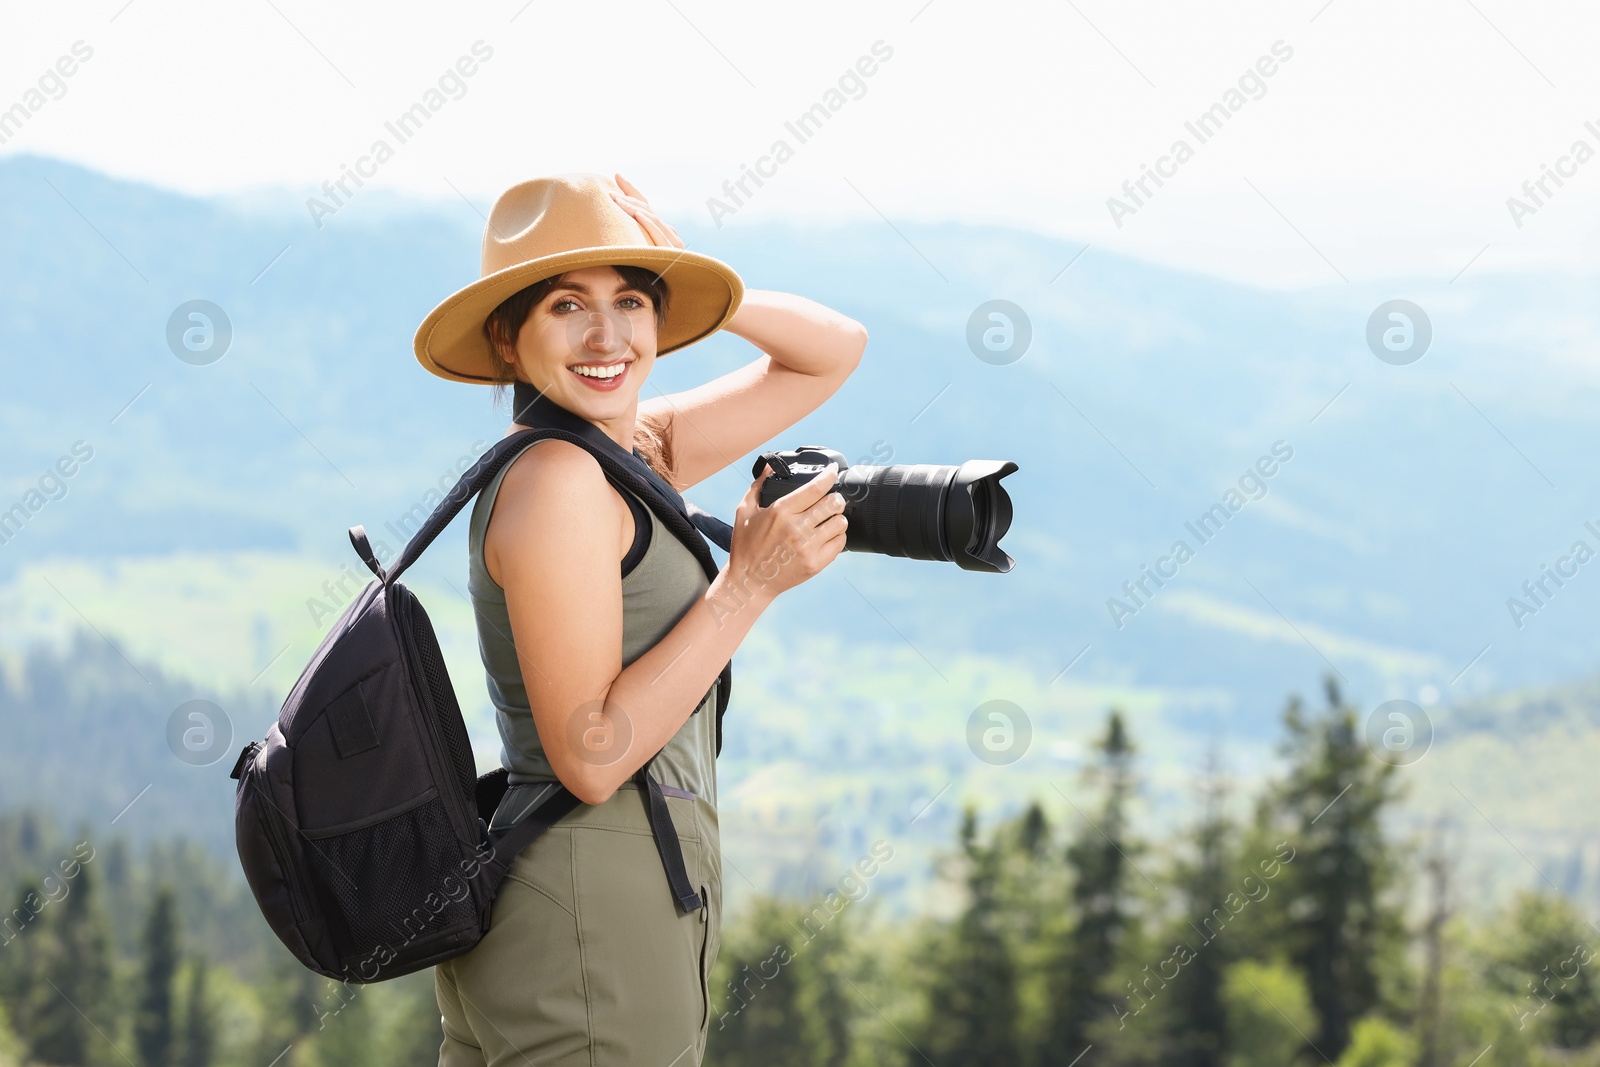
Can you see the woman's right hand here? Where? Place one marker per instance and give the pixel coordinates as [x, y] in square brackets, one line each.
[775, 548]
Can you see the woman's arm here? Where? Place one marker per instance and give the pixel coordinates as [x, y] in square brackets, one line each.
[557, 562]
[809, 351]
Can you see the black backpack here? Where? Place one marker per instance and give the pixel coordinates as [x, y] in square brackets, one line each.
[361, 823]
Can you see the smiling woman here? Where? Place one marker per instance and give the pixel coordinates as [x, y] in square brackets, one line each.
[603, 637]
[634, 288]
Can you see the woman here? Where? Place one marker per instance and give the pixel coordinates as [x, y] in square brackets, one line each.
[601, 634]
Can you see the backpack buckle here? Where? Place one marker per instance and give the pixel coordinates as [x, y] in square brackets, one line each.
[247, 753]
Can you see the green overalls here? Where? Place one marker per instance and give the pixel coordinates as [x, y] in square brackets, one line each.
[587, 959]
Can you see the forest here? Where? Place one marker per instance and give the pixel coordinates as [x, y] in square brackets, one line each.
[1293, 926]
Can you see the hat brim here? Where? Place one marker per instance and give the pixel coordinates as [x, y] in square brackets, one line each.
[703, 295]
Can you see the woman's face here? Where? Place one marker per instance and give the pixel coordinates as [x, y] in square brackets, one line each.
[596, 321]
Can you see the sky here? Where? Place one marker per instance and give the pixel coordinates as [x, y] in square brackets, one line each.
[1354, 140]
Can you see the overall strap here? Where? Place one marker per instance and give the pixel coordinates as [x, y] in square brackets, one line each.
[666, 835]
[550, 802]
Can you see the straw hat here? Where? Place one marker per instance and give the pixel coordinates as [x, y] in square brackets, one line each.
[566, 222]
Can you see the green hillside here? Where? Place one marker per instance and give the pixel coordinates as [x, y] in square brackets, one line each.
[829, 745]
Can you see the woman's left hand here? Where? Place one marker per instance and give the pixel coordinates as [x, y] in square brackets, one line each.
[635, 204]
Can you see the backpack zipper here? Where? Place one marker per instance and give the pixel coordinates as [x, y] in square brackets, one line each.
[280, 848]
[419, 685]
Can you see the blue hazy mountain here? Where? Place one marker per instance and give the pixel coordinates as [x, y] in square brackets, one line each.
[1407, 504]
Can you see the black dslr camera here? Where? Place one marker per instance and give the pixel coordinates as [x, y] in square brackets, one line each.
[914, 510]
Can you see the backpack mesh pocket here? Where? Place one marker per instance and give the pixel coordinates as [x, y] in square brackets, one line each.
[375, 880]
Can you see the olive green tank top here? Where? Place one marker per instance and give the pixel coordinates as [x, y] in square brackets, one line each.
[659, 590]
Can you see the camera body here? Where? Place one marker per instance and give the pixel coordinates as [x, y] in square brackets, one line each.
[913, 510]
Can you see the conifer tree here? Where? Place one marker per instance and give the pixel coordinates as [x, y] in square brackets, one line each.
[1343, 930]
[21, 959]
[831, 998]
[76, 968]
[1430, 1011]
[10, 1045]
[345, 1032]
[153, 1017]
[1544, 961]
[11, 1048]
[1199, 1037]
[1079, 977]
[412, 1035]
[294, 995]
[1032, 888]
[198, 1046]
[972, 1010]
[772, 1001]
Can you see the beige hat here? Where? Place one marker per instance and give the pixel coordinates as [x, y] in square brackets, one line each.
[566, 222]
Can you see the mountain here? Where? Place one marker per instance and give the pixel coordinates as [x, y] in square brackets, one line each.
[204, 521]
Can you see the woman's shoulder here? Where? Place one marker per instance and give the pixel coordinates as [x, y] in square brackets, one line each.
[554, 483]
[553, 461]
[559, 474]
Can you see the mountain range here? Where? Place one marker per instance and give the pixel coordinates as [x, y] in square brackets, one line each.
[1409, 504]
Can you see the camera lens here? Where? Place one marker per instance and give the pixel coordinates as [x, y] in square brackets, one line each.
[931, 511]
[912, 510]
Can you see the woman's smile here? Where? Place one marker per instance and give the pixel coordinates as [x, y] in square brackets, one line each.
[602, 377]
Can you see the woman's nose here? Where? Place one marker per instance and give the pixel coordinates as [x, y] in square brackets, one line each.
[605, 334]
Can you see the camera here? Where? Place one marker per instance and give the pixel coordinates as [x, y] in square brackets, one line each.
[914, 510]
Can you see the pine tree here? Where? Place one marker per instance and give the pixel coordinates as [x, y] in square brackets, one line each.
[767, 988]
[1032, 887]
[412, 1034]
[21, 959]
[198, 1048]
[294, 996]
[972, 1010]
[1430, 1008]
[77, 972]
[1080, 974]
[1199, 1037]
[153, 1018]
[1344, 932]
[831, 998]
[1543, 954]
[345, 1033]
[28, 836]
[11, 1049]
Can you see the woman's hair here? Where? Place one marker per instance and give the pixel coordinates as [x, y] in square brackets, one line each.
[652, 437]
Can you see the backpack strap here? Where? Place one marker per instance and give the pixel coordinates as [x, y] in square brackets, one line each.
[550, 803]
[690, 524]
[543, 813]
[468, 486]
[363, 547]
[686, 521]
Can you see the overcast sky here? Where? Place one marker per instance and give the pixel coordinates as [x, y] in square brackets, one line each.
[1385, 144]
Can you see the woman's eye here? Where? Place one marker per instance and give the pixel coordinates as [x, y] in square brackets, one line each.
[637, 302]
[564, 300]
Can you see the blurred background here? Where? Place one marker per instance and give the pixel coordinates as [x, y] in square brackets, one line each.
[1275, 746]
